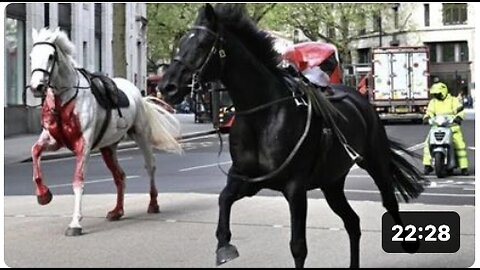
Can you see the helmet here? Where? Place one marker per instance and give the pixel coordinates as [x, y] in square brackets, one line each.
[439, 89]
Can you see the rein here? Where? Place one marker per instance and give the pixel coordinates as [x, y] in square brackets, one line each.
[284, 164]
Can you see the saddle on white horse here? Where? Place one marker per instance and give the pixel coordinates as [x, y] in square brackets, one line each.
[106, 91]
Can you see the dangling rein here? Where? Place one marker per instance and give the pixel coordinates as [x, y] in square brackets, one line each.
[289, 158]
[348, 149]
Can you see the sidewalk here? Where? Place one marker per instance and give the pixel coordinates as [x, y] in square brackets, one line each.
[183, 234]
[18, 148]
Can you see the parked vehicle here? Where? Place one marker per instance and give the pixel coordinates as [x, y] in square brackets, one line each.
[441, 145]
[400, 82]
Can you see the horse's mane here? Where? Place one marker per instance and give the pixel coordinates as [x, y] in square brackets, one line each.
[60, 39]
[235, 18]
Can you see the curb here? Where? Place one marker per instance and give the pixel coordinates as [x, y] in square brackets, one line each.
[121, 146]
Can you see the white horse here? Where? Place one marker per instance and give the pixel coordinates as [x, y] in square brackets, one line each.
[71, 117]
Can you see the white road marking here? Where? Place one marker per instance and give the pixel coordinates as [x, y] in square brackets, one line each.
[412, 148]
[204, 166]
[94, 181]
[457, 177]
[423, 194]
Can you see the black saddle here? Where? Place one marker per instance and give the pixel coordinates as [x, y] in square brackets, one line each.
[106, 91]
[108, 97]
[294, 76]
[336, 94]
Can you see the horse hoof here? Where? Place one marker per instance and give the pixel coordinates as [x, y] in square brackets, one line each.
[45, 198]
[226, 254]
[73, 231]
[411, 247]
[153, 209]
[114, 216]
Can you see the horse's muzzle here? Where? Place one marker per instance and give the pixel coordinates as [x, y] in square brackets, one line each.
[39, 91]
[170, 92]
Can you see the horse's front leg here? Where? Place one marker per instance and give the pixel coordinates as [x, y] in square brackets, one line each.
[82, 153]
[296, 196]
[44, 143]
[234, 191]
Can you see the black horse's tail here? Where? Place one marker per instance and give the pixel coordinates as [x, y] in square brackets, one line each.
[407, 179]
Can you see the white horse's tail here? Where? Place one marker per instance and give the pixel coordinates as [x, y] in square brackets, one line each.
[165, 127]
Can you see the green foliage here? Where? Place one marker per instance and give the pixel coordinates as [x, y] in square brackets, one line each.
[336, 23]
[166, 25]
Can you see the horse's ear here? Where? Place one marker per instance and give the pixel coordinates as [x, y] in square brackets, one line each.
[210, 13]
[34, 34]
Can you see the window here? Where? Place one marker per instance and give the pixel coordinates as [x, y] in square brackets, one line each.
[454, 14]
[433, 52]
[377, 23]
[445, 52]
[65, 18]
[85, 54]
[98, 37]
[14, 39]
[46, 14]
[463, 52]
[448, 52]
[426, 14]
[362, 29]
[364, 56]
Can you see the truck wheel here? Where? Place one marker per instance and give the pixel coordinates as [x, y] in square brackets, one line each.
[440, 170]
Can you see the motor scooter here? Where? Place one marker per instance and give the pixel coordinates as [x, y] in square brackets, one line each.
[441, 145]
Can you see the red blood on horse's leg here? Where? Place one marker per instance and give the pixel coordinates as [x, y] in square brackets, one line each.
[119, 179]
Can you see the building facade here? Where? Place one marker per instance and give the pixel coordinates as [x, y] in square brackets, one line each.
[89, 26]
[447, 29]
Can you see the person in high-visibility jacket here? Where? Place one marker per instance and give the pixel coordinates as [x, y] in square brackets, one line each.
[443, 103]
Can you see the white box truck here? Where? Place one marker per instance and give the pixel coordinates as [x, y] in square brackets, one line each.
[400, 87]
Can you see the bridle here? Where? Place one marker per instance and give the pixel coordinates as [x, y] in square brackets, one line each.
[49, 73]
[55, 59]
[217, 49]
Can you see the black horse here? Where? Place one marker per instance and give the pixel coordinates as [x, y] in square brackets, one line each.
[277, 144]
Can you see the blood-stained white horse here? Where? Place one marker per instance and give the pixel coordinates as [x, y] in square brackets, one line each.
[72, 118]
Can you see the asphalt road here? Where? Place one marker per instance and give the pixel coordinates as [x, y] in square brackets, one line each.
[196, 171]
[183, 234]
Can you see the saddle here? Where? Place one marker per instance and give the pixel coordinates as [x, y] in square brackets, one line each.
[106, 91]
[296, 77]
[108, 97]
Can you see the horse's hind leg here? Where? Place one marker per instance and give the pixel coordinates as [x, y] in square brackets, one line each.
[380, 172]
[296, 196]
[336, 199]
[109, 155]
[146, 148]
[44, 143]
